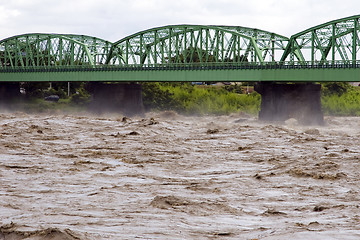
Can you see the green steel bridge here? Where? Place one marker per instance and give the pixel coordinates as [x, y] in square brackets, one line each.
[327, 52]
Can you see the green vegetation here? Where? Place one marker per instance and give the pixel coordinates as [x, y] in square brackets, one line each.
[81, 97]
[192, 99]
[44, 89]
[38, 105]
[340, 99]
[34, 100]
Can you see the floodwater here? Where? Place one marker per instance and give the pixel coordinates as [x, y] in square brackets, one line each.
[166, 176]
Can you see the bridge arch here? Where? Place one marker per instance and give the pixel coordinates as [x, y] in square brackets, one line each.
[334, 41]
[197, 44]
[39, 49]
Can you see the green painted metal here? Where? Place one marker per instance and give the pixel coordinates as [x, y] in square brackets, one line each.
[328, 52]
[329, 42]
[33, 50]
[190, 72]
[196, 43]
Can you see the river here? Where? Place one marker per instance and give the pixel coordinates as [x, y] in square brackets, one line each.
[168, 176]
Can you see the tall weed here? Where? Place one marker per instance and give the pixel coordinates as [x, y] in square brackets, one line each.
[346, 104]
[200, 100]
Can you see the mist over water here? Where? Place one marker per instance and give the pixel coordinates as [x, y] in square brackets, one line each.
[167, 176]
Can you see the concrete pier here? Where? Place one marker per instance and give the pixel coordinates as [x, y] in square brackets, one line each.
[280, 102]
[9, 93]
[116, 97]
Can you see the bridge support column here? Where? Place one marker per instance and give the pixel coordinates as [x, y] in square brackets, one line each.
[280, 102]
[116, 97]
[9, 92]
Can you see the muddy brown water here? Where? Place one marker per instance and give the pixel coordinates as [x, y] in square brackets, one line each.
[167, 176]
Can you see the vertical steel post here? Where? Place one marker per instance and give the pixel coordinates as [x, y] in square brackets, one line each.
[170, 45]
[177, 55]
[94, 50]
[312, 47]
[354, 42]
[201, 44]
[154, 51]
[333, 42]
[72, 53]
[162, 49]
[185, 42]
[272, 48]
[27, 52]
[49, 50]
[17, 53]
[207, 45]
[222, 45]
[127, 52]
[217, 32]
[37, 49]
[60, 51]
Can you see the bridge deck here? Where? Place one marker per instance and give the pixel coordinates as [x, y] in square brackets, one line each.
[189, 73]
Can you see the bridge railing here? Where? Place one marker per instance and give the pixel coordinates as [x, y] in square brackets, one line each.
[185, 66]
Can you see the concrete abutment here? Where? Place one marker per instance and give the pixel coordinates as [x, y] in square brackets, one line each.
[280, 102]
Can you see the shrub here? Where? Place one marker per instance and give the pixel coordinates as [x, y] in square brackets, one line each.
[347, 104]
[81, 97]
[335, 88]
[191, 99]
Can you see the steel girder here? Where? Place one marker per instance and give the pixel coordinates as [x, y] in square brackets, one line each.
[36, 50]
[198, 44]
[333, 41]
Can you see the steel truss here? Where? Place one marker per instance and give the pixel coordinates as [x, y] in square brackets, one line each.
[333, 41]
[198, 44]
[34, 50]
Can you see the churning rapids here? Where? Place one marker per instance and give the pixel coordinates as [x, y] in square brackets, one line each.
[166, 176]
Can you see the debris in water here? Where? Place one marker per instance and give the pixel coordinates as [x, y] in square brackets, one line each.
[243, 148]
[133, 133]
[149, 122]
[212, 131]
[273, 212]
[125, 119]
[258, 176]
[319, 208]
[312, 131]
[225, 234]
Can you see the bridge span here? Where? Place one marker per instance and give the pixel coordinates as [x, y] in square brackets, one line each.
[327, 52]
